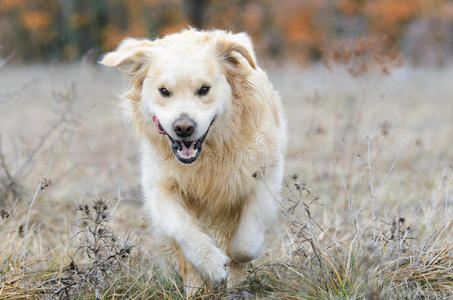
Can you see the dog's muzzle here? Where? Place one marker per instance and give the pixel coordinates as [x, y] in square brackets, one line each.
[186, 150]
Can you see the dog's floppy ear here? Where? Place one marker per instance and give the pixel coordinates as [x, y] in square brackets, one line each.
[239, 43]
[130, 55]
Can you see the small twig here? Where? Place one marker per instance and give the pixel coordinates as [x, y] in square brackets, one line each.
[63, 118]
[3, 164]
[446, 198]
[436, 194]
[9, 96]
[35, 195]
[371, 187]
[349, 198]
[39, 145]
[43, 183]
[384, 180]
[119, 198]
[9, 183]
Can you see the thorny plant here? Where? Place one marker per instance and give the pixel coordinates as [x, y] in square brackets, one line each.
[103, 254]
[297, 203]
[312, 247]
[319, 266]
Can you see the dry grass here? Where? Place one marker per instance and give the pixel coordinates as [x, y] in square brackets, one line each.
[367, 195]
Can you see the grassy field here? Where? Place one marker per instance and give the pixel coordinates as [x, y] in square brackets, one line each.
[368, 197]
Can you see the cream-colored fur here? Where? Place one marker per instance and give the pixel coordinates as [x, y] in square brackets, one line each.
[213, 214]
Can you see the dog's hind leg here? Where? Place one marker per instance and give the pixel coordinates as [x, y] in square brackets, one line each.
[259, 215]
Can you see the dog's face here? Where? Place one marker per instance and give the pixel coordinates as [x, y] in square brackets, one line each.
[185, 91]
[183, 81]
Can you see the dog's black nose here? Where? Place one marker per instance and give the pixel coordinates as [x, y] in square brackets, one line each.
[184, 127]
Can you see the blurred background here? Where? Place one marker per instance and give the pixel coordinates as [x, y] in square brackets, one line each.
[65, 30]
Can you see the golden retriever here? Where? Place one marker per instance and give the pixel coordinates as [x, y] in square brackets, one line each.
[213, 135]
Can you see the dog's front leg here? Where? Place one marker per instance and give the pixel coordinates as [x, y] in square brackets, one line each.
[170, 219]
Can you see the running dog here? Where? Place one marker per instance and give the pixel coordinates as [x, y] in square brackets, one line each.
[213, 135]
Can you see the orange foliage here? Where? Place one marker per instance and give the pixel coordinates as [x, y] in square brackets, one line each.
[389, 12]
[253, 19]
[111, 36]
[297, 22]
[7, 5]
[35, 20]
[173, 20]
[445, 12]
[297, 28]
[224, 20]
[300, 27]
[137, 29]
[172, 28]
[349, 7]
[134, 10]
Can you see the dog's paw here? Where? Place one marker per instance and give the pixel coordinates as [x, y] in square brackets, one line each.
[212, 263]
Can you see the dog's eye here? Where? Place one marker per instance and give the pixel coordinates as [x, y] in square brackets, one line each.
[204, 90]
[164, 92]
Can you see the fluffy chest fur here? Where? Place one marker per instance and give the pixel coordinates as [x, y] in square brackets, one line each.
[215, 187]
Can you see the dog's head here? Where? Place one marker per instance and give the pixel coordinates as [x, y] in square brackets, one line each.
[185, 82]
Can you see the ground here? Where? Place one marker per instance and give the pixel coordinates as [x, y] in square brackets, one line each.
[367, 200]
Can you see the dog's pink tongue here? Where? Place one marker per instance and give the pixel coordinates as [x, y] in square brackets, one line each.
[188, 152]
[159, 128]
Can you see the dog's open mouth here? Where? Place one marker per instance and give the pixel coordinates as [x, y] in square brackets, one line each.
[187, 151]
